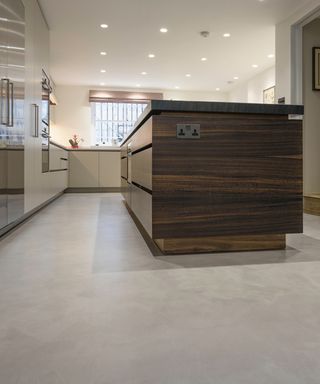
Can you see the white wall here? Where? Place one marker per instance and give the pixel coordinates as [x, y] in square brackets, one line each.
[284, 50]
[72, 115]
[251, 91]
[311, 99]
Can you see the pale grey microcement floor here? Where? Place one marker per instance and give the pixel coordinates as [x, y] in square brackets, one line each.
[82, 300]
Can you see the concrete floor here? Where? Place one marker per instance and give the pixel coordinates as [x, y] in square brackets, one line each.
[83, 301]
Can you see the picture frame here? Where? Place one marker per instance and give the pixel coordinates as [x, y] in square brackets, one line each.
[269, 95]
[316, 68]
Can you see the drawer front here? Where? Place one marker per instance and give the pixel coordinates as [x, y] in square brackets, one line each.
[123, 150]
[141, 205]
[143, 136]
[124, 189]
[142, 168]
[124, 168]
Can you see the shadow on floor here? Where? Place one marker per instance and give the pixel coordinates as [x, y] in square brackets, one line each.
[121, 245]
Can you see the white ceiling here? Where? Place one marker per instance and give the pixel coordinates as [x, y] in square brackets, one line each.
[133, 33]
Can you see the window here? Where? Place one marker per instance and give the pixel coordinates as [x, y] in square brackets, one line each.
[112, 120]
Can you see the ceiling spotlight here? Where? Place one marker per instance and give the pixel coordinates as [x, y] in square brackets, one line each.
[218, 89]
[163, 30]
[255, 65]
[138, 85]
[204, 33]
[151, 56]
[104, 26]
[271, 56]
[226, 35]
[102, 84]
[143, 73]
[103, 71]
[177, 87]
[188, 75]
[236, 78]
[204, 59]
[102, 53]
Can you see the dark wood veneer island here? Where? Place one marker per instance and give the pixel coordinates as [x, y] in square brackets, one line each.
[237, 187]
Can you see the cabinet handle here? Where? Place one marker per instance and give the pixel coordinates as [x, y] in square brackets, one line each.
[5, 85]
[36, 120]
[11, 106]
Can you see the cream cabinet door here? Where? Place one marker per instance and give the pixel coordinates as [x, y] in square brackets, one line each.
[110, 169]
[84, 169]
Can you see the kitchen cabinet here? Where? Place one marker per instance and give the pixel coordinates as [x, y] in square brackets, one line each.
[58, 158]
[94, 169]
[109, 169]
[231, 182]
[39, 187]
[12, 116]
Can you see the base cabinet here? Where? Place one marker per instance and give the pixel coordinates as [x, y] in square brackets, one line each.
[94, 169]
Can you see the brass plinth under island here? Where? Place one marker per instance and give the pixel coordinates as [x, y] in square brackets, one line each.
[212, 177]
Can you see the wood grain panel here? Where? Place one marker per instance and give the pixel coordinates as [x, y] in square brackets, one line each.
[222, 244]
[242, 177]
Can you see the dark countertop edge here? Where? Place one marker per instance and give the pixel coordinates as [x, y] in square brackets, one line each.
[83, 149]
[157, 106]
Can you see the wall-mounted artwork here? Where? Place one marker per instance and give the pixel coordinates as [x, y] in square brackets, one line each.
[269, 95]
[316, 69]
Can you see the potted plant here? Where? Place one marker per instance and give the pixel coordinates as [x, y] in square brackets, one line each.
[75, 141]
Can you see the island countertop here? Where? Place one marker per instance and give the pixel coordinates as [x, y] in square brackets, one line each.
[158, 106]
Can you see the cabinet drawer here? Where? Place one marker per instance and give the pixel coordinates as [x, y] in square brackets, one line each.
[124, 168]
[143, 136]
[142, 168]
[141, 205]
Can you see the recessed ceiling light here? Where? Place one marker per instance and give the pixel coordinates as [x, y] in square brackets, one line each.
[204, 59]
[102, 84]
[217, 89]
[103, 71]
[271, 56]
[236, 78]
[255, 65]
[177, 87]
[188, 75]
[151, 55]
[104, 26]
[163, 30]
[226, 34]
[143, 73]
[138, 85]
[103, 53]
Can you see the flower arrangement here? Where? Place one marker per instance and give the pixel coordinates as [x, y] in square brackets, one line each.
[75, 141]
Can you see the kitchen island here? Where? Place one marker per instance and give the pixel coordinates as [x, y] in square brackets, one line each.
[212, 176]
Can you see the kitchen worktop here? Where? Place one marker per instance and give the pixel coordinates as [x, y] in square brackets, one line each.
[161, 106]
[88, 148]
